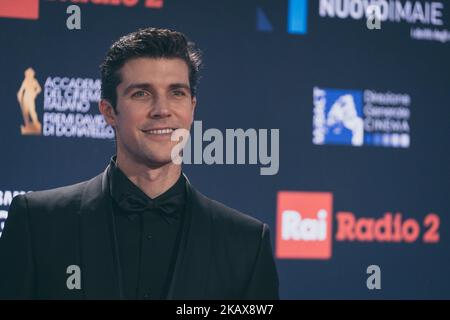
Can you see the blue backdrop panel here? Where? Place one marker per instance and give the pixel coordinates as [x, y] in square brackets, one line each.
[363, 116]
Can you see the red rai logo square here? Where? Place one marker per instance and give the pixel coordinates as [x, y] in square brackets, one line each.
[304, 225]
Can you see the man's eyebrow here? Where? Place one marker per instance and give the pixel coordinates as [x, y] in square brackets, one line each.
[146, 86]
[179, 86]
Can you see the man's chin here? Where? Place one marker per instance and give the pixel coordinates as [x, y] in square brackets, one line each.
[157, 162]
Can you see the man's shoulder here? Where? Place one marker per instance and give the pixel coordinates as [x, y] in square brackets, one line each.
[231, 218]
[237, 238]
[57, 198]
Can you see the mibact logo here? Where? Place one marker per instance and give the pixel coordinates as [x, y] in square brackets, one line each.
[361, 118]
[304, 225]
[338, 117]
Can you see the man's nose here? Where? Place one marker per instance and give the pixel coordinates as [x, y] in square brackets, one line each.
[160, 108]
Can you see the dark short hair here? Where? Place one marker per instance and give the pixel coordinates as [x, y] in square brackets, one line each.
[149, 43]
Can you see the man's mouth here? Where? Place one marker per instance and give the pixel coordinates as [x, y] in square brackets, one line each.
[161, 131]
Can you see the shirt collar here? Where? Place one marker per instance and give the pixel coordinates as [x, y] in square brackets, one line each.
[120, 185]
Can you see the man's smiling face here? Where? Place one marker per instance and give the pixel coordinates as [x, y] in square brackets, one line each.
[153, 99]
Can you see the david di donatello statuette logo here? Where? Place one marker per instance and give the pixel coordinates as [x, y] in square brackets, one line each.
[26, 96]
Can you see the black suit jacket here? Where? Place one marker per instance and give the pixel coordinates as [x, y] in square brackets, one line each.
[223, 254]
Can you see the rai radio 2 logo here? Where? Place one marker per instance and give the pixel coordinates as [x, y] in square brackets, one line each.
[305, 226]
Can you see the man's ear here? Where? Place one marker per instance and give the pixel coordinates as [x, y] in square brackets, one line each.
[107, 111]
[194, 104]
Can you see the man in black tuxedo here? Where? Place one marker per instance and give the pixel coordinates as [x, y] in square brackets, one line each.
[139, 230]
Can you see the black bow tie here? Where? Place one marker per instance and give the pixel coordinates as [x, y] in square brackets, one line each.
[169, 208]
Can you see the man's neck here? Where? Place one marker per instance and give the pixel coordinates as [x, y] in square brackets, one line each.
[152, 181]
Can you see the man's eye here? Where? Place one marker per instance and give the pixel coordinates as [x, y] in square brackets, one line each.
[139, 94]
[179, 93]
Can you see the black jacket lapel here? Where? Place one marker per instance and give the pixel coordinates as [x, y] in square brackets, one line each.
[194, 255]
[99, 274]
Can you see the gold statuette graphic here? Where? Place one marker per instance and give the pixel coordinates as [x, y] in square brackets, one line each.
[26, 96]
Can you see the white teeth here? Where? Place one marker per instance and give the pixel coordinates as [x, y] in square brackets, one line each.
[160, 131]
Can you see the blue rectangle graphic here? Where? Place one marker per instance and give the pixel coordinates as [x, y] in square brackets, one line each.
[298, 16]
